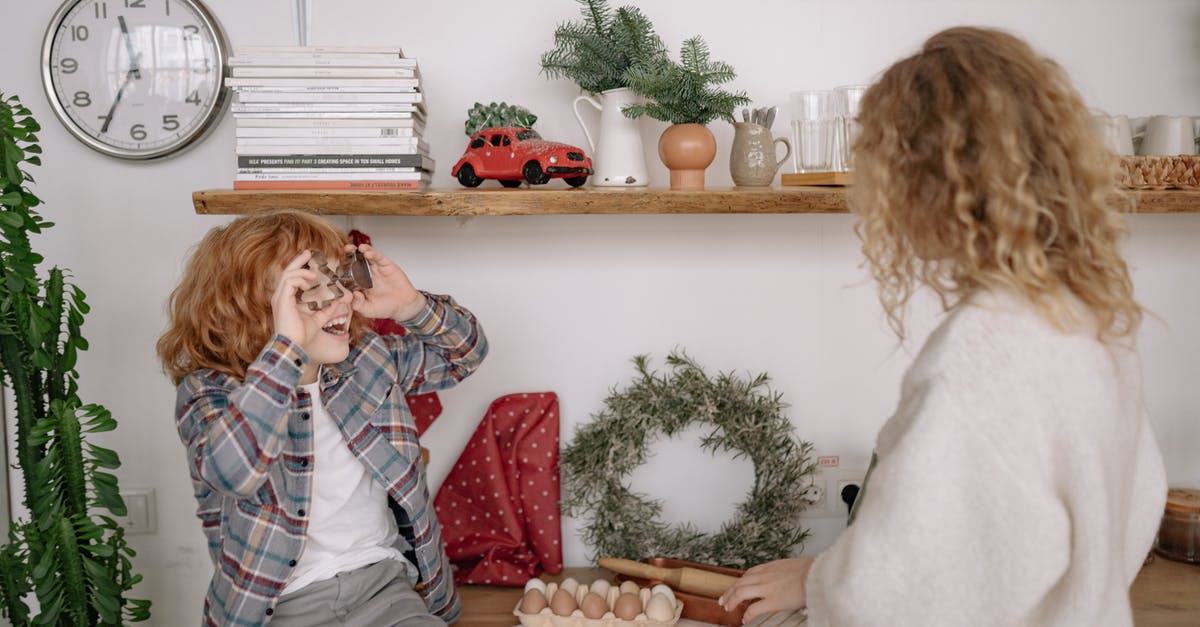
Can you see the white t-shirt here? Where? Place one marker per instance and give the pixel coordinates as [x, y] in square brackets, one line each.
[1018, 483]
[349, 525]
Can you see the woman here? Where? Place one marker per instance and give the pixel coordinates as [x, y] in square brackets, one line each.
[1018, 482]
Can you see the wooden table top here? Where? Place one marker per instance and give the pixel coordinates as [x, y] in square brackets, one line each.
[1165, 594]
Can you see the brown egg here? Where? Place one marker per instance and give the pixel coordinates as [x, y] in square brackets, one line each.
[593, 606]
[533, 602]
[628, 606]
[563, 603]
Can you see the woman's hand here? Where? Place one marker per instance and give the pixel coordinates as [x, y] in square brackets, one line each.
[778, 586]
[392, 295]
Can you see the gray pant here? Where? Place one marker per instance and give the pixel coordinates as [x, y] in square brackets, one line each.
[378, 595]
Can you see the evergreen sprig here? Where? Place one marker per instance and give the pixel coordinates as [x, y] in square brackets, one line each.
[596, 52]
[483, 116]
[74, 560]
[685, 92]
[746, 420]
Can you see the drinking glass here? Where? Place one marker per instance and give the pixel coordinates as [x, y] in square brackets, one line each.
[812, 130]
[846, 100]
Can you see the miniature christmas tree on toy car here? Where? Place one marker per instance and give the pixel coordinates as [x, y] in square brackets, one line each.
[503, 147]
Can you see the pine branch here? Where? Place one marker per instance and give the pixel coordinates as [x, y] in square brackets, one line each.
[682, 92]
[596, 51]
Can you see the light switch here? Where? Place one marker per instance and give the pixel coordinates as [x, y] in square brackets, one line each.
[140, 518]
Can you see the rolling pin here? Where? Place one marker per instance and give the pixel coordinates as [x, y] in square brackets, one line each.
[684, 579]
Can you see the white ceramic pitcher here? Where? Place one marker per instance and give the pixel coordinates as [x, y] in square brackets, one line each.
[618, 158]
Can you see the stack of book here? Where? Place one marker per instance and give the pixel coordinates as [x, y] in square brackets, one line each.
[321, 117]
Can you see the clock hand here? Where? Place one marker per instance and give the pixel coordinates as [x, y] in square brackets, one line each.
[117, 100]
[133, 58]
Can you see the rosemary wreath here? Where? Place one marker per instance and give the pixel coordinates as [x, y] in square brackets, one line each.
[746, 419]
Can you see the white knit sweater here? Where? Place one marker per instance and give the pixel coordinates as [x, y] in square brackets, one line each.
[1018, 483]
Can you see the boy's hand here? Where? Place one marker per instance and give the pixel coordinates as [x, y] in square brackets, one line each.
[392, 296]
[292, 318]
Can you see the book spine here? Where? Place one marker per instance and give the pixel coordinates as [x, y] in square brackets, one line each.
[322, 72]
[276, 96]
[331, 176]
[323, 50]
[341, 171]
[330, 149]
[260, 120]
[345, 84]
[393, 140]
[345, 60]
[345, 160]
[365, 132]
[330, 88]
[346, 184]
[326, 118]
[322, 110]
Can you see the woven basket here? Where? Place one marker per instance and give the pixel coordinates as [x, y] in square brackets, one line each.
[1161, 172]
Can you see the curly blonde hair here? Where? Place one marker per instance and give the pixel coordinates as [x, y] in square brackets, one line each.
[977, 167]
[220, 314]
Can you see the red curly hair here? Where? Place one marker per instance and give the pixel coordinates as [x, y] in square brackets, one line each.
[220, 314]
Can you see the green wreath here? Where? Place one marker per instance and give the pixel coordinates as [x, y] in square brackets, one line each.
[747, 420]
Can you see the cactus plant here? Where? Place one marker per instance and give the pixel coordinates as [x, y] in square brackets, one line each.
[483, 116]
[73, 559]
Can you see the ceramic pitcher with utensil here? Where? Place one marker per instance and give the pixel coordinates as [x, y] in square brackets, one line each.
[752, 159]
[618, 157]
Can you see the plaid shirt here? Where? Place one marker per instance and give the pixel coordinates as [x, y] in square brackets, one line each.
[249, 448]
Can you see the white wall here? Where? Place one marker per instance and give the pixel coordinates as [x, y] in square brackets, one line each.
[567, 300]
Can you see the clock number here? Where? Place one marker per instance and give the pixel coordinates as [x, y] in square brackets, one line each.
[68, 65]
[167, 4]
[170, 122]
[79, 33]
[194, 97]
[82, 99]
[101, 10]
[138, 131]
[191, 30]
[205, 70]
[135, 4]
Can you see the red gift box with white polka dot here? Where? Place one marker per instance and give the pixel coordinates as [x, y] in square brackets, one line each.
[498, 507]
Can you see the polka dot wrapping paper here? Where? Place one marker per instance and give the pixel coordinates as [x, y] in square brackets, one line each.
[498, 507]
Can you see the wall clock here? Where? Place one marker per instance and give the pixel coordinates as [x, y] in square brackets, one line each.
[135, 79]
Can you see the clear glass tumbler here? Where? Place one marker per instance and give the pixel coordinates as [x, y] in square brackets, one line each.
[846, 100]
[812, 130]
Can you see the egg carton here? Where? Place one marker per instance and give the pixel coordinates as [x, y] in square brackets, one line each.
[546, 618]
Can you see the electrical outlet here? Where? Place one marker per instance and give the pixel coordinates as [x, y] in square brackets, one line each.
[828, 484]
[814, 495]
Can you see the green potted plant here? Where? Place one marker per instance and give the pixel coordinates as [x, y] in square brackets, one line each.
[595, 53]
[72, 558]
[684, 93]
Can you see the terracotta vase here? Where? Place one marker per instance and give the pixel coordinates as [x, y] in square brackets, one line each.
[687, 150]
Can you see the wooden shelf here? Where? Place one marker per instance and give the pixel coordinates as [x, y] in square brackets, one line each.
[542, 201]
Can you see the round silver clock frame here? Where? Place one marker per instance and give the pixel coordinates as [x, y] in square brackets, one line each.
[168, 134]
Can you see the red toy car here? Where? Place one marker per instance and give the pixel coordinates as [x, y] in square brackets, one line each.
[513, 154]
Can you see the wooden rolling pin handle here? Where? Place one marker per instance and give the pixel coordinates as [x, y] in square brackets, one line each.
[690, 580]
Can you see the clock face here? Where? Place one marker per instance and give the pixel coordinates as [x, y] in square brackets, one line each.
[137, 79]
